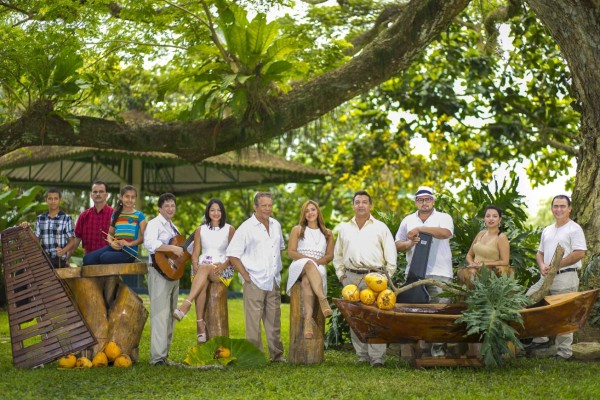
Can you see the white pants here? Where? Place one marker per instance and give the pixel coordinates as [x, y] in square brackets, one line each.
[163, 300]
[563, 283]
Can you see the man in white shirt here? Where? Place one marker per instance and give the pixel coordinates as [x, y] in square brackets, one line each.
[569, 235]
[364, 245]
[439, 225]
[163, 292]
[255, 252]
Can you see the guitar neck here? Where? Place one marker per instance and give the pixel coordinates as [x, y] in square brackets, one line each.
[187, 242]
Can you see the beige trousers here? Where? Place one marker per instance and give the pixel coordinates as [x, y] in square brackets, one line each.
[163, 300]
[266, 306]
[563, 283]
[371, 353]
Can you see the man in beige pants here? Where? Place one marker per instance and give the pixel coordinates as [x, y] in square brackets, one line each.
[255, 252]
[364, 244]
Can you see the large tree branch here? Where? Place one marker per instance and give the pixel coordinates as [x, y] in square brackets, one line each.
[419, 23]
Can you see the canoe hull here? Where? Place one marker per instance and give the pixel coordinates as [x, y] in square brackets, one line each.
[555, 315]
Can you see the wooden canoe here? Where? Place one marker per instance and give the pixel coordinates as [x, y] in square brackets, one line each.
[555, 315]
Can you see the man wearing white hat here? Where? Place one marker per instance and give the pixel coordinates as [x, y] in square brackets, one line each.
[439, 225]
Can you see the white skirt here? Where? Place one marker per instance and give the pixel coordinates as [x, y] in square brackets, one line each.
[295, 271]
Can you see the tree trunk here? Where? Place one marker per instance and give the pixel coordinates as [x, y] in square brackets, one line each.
[302, 350]
[575, 26]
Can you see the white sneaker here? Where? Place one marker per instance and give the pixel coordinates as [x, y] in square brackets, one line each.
[437, 351]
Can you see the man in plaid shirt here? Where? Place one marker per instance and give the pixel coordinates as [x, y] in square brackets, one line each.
[54, 229]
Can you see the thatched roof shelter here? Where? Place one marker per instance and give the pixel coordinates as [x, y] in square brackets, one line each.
[150, 172]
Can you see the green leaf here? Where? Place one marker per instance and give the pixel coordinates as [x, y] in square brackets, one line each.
[243, 353]
[493, 304]
[274, 70]
[67, 64]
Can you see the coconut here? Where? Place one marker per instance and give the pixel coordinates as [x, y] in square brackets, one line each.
[367, 296]
[351, 293]
[123, 361]
[100, 360]
[222, 352]
[376, 282]
[83, 362]
[68, 361]
[386, 300]
[112, 351]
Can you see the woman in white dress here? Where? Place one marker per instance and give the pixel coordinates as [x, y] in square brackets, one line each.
[212, 238]
[311, 247]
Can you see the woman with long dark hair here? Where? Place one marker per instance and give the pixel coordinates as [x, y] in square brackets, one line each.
[311, 248]
[126, 232]
[211, 238]
[490, 248]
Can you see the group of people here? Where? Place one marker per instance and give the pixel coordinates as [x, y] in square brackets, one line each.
[364, 244]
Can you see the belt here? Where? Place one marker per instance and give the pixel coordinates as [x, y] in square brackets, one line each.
[562, 271]
[362, 271]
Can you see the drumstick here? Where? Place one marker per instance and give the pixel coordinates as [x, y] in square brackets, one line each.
[56, 239]
[123, 248]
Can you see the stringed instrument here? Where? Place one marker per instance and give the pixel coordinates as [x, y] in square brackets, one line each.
[169, 265]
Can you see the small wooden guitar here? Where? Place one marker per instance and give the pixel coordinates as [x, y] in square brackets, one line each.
[170, 266]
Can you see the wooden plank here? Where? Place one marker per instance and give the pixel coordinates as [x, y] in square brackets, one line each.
[24, 307]
[44, 345]
[428, 362]
[19, 281]
[22, 295]
[91, 271]
[70, 325]
[68, 273]
[40, 328]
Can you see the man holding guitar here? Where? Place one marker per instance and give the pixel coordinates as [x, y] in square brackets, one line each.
[162, 290]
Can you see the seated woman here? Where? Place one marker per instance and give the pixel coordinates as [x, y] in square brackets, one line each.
[212, 237]
[490, 248]
[311, 247]
[126, 232]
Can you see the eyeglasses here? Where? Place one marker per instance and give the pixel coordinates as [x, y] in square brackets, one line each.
[424, 200]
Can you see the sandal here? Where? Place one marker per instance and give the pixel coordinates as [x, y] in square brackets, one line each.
[325, 309]
[308, 328]
[201, 337]
[178, 314]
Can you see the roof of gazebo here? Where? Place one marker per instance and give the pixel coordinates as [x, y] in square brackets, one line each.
[77, 167]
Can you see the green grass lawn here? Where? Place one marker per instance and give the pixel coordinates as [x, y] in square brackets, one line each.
[339, 377]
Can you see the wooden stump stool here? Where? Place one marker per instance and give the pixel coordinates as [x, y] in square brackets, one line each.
[216, 313]
[109, 307]
[305, 351]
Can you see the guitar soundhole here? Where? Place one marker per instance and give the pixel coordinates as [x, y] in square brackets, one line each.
[172, 264]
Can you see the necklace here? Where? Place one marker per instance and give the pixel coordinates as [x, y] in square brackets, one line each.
[316, 237]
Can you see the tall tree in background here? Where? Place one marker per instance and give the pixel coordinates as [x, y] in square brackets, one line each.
[214, 79]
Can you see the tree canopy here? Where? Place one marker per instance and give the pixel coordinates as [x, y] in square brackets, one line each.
[201, 78]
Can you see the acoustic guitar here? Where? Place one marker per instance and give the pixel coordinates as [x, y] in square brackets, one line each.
[169, 265]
